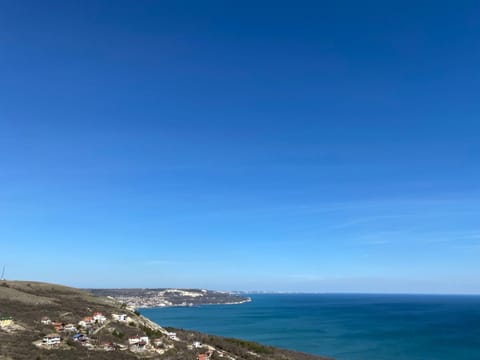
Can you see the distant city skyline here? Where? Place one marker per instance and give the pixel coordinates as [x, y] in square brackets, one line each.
[278, 146]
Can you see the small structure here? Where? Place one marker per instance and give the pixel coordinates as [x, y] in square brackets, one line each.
[172, 336]
[138, 343]
[141, 345]
[52, 340]
[197, 344]
[70, 328]
[121, 347]
[6, 321]
[86, 321]
[46, 321]
[119, 317]
[80, 338]
[98, 317]
[133, 340]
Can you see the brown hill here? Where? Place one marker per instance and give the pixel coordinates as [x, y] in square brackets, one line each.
[23, 306]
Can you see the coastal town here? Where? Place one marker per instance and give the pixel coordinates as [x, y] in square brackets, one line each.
[146, 298]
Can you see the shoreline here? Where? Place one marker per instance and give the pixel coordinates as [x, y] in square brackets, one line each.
[136, 298]
[249, 299]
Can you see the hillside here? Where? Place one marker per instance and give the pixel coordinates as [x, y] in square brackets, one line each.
[47, 321]
[142, 298]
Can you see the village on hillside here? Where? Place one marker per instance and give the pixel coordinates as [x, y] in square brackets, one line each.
[89, 331]
[43, 320]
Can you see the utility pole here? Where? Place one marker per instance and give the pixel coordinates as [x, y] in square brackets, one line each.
[3, 274]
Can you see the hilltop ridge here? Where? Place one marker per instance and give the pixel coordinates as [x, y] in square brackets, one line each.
[47, 321]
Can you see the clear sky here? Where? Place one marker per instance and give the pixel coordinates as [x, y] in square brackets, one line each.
[300, 146]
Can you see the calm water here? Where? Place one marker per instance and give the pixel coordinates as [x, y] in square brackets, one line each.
[345, 327]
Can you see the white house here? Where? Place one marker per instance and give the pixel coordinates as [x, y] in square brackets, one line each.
[133, 340]
[172, 336]
[145, 339]
[119, 317]
[52, 339]
[86, 322]
[99, 317]
[70, 328]
[46, 321]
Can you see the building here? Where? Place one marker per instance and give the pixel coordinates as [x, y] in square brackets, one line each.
[70, 328]
[119, 317]
[133, 340]
[6, 321]
[98, 317]
[172, 336]
[46, 321]
[52, 339]
[86, 322]
[145, 340]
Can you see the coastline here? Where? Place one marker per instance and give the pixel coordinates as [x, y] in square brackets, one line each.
[43, 320]
[249, 299]
[341, 326]
[137, 298]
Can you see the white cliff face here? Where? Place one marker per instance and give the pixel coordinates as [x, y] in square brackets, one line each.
[182, 293]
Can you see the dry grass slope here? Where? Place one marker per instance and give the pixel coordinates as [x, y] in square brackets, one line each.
[28, 302]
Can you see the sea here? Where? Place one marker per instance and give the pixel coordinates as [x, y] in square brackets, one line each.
[346, 326]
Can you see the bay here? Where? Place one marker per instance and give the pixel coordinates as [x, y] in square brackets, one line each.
[344, 326]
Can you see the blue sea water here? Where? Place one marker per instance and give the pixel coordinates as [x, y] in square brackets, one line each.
[345, 327]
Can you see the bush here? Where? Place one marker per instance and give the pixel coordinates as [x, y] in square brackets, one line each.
[252, 346]
[150, 332]
[118, 334]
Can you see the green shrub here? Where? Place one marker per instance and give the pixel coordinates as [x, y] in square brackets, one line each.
[118, 334]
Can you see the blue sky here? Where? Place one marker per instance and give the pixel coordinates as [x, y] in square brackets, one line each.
[298, 146]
